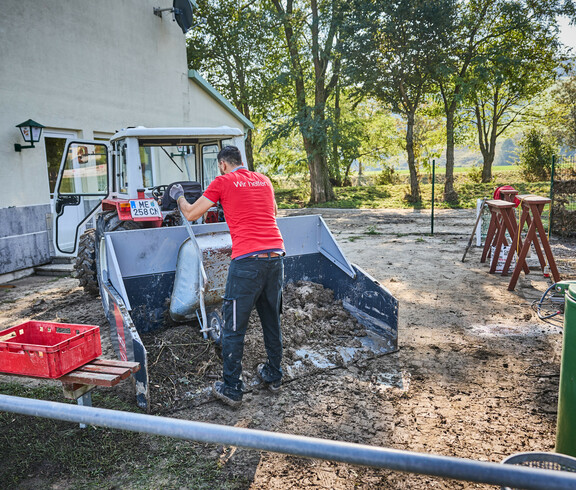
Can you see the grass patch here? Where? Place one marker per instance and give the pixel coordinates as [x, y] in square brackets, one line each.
[360, 197]
[292, 198]
[464, 170]
[372, 231]
[63, 454]
[392, 196]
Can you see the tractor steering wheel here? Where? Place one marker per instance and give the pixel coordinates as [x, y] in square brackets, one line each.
[158, 192]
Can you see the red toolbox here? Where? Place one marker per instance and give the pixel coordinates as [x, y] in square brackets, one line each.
[47, 349]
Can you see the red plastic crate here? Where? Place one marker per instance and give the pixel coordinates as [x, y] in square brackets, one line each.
[47, 349]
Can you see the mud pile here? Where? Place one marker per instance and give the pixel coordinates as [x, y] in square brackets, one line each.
[318, 334]
[312, 322]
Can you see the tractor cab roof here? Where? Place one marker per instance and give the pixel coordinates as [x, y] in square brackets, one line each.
[178, 134]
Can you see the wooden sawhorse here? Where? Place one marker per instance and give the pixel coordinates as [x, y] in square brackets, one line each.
[508, 194]
[502, 220]
[532, 207]
[527, 220]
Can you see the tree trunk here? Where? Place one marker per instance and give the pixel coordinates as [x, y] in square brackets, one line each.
[487, 139]
[488, 149]
[346, 182]
[414, 177]
[487, 168]
[450, 195]
[249, 150]
[320, 187]
[310, 120]
[335, 159]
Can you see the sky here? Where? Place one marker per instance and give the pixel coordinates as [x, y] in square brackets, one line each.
[567, 33]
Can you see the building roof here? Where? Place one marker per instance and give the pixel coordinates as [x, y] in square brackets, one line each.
[210, 90]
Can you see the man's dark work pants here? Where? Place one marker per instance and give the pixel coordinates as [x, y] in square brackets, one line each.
[251, 282]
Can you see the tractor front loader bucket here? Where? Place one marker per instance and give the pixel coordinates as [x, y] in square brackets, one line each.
[139, 267]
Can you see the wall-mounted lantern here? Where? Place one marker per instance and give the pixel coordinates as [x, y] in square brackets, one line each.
[31, 132]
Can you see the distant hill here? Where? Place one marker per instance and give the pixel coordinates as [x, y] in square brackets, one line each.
[464, 156]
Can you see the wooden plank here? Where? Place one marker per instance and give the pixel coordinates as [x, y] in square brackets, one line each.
[73, 391]
[101, 372]
[95, 368]
[89, 378]
[133, 366]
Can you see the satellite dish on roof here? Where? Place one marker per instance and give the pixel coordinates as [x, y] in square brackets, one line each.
[181, 13]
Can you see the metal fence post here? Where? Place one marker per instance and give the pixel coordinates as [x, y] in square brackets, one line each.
[433, 183]
[552, 171]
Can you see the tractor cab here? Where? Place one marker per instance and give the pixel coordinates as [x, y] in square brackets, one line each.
[129, 176]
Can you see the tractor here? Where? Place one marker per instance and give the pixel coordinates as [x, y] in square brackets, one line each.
[152, 267]
[121, 185]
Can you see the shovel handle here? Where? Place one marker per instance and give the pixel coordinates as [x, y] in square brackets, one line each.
[474, 229]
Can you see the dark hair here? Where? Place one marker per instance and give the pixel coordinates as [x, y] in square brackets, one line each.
[231, 155]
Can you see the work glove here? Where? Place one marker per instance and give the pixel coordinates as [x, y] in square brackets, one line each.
[176, 192]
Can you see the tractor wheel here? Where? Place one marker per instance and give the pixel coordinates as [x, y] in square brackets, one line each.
[106, 222]
[109, 221]
[85, 263]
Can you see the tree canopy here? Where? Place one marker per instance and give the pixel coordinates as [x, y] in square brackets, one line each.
[240, 51]
[392, 52]
[511, 70]
[343, 75]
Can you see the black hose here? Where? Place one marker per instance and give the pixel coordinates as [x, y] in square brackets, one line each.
[539, 303]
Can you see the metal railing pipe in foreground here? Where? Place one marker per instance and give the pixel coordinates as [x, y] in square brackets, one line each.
[358, 454]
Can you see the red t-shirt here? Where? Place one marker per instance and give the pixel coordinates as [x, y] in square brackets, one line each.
[249, 206]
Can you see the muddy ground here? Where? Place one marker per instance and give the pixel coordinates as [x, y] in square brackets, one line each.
[475, 376]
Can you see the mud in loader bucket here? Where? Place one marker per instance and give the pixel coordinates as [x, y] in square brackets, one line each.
[139, 268]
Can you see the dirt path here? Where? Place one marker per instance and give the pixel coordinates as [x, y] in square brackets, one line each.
[476, 375]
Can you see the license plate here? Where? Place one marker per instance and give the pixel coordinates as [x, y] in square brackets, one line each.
[145, 208]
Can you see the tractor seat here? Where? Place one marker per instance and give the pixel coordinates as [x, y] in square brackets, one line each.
[192, 191]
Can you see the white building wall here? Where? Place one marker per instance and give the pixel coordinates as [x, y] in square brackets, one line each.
[94, 67]
[90, 66]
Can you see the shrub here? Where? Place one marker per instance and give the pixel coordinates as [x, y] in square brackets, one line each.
[535, 156]
[475, 174]
[387, 176]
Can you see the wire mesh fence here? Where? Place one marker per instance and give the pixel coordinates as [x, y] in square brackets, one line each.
[563, 193]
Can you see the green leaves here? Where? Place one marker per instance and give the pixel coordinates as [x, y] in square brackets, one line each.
[327, 81]
[536, 152]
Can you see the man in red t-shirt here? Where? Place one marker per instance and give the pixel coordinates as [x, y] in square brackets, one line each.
[256, 272]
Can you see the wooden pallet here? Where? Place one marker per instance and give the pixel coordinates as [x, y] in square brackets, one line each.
[99, 372]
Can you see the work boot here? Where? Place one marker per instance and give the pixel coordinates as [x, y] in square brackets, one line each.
[262, 372]
[219, 391]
